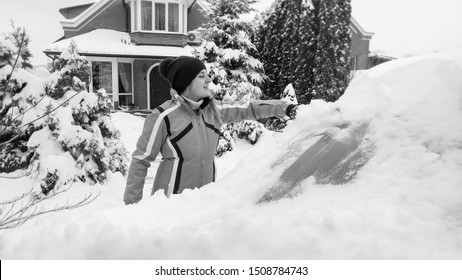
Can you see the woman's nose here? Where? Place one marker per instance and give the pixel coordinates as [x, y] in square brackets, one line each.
[208, 79]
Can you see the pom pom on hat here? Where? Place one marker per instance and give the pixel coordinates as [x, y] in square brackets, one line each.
[180, 71]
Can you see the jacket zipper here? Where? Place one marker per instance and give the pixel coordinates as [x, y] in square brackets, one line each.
[202, 144]
[202, 140]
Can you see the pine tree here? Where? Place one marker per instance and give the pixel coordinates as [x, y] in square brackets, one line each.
[332, 62]
[306, 43]
[22, 40]
[304, 79]
[269, 40]
[291, 41]
[228, 52]
[343, 36]
[14, 43]
[232, 64]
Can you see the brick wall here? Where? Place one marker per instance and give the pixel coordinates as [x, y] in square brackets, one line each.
[360, 50]
[140, 69]
[160, 39]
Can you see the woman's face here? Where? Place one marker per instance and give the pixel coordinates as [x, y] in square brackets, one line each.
[199, 87]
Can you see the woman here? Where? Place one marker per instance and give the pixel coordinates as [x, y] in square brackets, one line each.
[185, 130]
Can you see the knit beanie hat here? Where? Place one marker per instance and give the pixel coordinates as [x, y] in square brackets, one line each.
[180, 71]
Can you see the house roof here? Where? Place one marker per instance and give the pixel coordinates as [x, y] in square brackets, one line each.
[111, 43]
[76, 3]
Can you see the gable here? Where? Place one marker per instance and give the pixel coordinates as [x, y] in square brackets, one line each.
[359, 31]
[74, 11]
[108, 14]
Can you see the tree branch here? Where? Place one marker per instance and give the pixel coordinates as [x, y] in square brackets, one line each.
[33, 106]
[12, 215]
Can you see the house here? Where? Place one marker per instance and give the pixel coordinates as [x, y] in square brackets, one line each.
[125, 40]
[360, 40]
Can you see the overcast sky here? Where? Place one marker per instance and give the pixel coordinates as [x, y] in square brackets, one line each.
[401, 27]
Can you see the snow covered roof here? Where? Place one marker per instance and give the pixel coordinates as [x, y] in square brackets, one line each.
[75, 3]
[104, 42]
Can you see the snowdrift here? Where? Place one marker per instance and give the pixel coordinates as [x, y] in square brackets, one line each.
[376, 175]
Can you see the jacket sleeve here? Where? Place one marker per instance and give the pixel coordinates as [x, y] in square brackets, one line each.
[148, 146]
[251, 110]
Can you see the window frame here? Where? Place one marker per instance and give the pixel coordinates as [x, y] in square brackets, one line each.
[112, 76]
[353, 63]
[137, 20]
[115, 76]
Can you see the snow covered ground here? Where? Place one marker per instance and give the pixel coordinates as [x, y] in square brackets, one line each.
[404, 203]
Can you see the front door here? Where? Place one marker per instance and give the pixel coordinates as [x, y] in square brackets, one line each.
[159, 89]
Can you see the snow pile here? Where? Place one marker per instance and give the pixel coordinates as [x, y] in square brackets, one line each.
[405, 202]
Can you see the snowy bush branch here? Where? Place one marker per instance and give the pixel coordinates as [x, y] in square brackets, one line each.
[17, 211]
[52, 110]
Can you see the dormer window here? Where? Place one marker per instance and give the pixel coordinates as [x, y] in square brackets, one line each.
[167, 16]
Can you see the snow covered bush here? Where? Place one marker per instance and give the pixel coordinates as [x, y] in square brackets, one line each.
[71, 69]
[226, 140]
[63, 132]
[89, 143]
[249, 130]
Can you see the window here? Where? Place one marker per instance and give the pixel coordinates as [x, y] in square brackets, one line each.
[353, 63]
[135, 16]
[115, 76]
[102, 76]
[160, 15]
[146, 15]
[173, 17]
[125, 83]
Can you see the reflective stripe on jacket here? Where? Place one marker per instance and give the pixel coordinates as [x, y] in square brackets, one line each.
[187, 142]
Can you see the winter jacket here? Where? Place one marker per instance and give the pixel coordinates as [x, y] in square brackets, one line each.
[187, 141]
